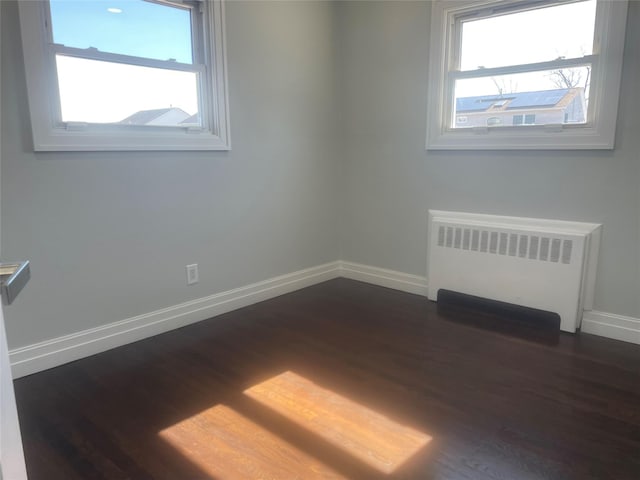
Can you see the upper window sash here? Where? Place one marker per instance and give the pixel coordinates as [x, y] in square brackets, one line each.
[195, 9]
[523, 68]
[95, 54]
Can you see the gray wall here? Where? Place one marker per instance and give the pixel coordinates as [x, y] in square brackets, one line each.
[109, 234]
[328, 105]
[391, 180]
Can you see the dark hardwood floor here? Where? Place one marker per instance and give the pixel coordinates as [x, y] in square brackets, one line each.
[340, 380]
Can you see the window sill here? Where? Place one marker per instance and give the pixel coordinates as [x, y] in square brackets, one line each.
[62, 140]
[550, 137]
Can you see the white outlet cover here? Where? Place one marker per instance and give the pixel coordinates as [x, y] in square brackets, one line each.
[192, 274]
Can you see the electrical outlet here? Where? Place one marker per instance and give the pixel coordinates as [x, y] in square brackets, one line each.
[192, 274]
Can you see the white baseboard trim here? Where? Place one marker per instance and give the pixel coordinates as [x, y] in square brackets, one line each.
[385, 278]
[617, 327]
[613, 326]
[57, 351]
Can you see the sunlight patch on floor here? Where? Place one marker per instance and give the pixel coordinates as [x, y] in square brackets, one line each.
[228, 446]
[363, 433]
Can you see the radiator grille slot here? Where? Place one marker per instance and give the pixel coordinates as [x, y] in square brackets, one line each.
[567, 246]
[466, 238]
[484, 240]
[495, 242]
[475, 240]
[533, 248]
[458, 238]
[513, 244]
[555, 249]
[504, 239]
[544, 249]
[524, 245]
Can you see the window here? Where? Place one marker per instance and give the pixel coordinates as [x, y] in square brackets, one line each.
[552, 66]
[528, 119]
[126, 74]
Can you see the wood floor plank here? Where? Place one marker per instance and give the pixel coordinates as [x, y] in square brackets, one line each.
[225, 444]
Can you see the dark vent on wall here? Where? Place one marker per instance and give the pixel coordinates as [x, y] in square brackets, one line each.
[532, 247]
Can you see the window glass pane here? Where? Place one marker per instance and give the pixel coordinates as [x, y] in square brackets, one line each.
[545, 97]
[537, 35]
[128, 27]
[102, 92]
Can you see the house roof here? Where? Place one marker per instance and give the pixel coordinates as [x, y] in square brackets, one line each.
[509, 101]
[195, 118]
[143, 117]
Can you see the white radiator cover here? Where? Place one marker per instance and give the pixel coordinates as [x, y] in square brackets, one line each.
[545, 264]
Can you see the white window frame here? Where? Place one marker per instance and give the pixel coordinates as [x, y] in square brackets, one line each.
[597, 133]
[51, 134]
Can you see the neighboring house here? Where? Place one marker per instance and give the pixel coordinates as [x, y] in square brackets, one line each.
[161, 117]
[192, 120]
[565, 105]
